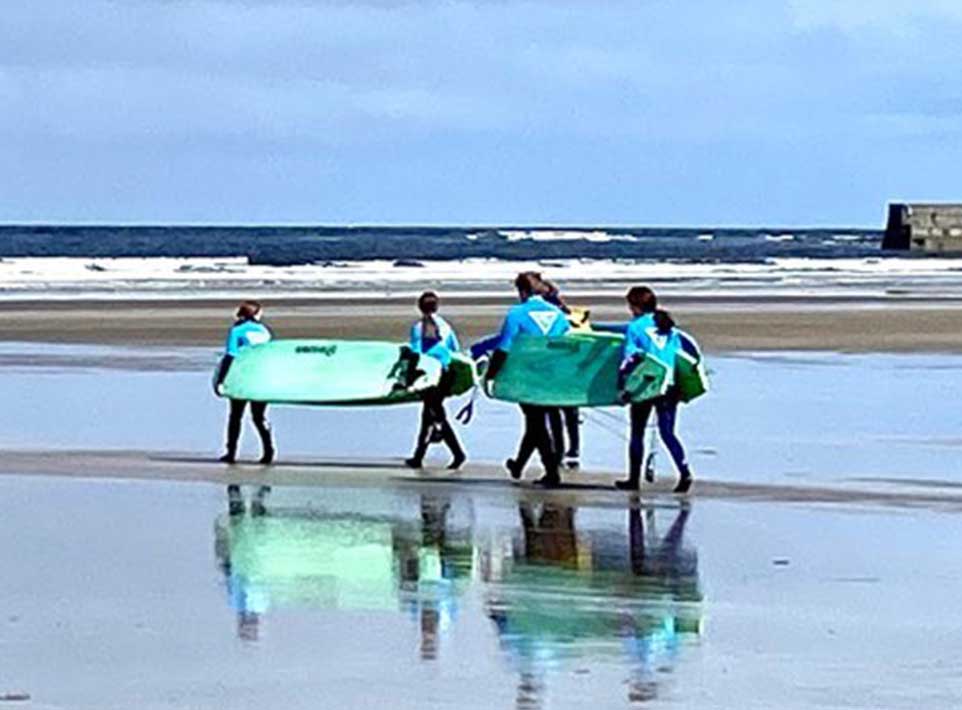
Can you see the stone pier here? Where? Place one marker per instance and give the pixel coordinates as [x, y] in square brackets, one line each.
[934, 228]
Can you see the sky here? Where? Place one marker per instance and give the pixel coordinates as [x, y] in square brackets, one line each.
[564, 112]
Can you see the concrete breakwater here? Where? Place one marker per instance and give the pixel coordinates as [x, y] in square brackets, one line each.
[926, 227]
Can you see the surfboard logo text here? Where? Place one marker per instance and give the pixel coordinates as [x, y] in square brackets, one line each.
[326, 350]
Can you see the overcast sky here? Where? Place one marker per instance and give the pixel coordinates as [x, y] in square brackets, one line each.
[549, 111]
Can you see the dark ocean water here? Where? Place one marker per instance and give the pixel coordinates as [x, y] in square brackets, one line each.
[304, 245]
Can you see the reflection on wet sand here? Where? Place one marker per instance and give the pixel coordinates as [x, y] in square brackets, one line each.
[305, 559]
[562, 597]
[565, 597]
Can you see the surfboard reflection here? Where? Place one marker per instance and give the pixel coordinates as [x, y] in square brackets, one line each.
[561, 596]
[306, 559]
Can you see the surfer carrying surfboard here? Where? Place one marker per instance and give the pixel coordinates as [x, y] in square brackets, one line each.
[572, 417]
[532, 316]
[432, 335]
[246, 331]
[652, 332]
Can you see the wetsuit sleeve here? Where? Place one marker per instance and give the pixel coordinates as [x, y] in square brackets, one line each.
[497, 362]
[509, 330]
[225, 364]
[232, 346]
[453, 345]
[635, 342]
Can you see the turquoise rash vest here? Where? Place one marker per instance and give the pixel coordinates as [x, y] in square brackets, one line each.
[244, 334]
[440, 348]
[534, 316]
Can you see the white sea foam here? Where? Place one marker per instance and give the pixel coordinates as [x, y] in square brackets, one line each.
[53, 278]
[561, 235]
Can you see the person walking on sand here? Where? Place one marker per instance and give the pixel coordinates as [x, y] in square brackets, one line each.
[432, 335]
[570, 454]
[652, 332]
[532, 316]
[247, 330]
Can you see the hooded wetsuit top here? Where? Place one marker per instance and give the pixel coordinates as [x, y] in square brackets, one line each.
[440, 347]
[535, 316]
[642, 337]
[244, 333]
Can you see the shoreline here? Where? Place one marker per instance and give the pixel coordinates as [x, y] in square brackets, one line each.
[721, 324]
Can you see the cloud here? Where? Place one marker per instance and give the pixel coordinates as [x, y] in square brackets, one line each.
[619, 93]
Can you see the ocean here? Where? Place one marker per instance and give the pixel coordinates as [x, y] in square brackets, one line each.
[38, 261]
[286, 246]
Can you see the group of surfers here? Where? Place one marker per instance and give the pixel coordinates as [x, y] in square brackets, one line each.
[540, 312]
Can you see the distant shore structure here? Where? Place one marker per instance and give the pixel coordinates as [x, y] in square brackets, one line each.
[934, 228]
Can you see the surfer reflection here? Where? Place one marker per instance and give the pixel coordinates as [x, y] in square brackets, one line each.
[561, 597]
[304, 559]
[434, 569]
[245, 596]
[669, 565]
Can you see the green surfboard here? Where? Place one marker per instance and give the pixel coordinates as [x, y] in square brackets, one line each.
[338, 372]
[574, 370]
[690, 376]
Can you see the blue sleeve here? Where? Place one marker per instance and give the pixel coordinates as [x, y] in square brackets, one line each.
[485, 347]
[233, 345]
[508, 332]
[636, 342]
[415, 338]
[453, 345]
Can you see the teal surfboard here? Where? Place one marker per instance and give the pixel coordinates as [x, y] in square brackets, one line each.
[574, 370]
[690, 375]
[338, 372]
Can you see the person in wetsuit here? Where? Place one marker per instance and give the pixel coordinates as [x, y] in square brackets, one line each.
[532, 316]
[431, 335]
[246, 331]
[652, 332]
[571, 454]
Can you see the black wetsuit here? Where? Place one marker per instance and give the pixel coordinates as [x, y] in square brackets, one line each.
[433, 414]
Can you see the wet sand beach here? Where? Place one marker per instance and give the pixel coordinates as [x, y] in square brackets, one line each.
[814, 566]
[721, 324]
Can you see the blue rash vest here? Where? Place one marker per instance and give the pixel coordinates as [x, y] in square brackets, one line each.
[642, 337]
[245, 333]
[440, 347]
[535, 316]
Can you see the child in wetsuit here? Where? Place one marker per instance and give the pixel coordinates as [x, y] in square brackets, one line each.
[432, 335]
[652, 331]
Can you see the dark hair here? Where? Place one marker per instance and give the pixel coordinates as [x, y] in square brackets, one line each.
[248, 309]
[663, 322]
[643, 298]
[527, 282]
[428, 302]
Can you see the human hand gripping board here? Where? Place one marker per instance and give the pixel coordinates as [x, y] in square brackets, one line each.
[338, 373]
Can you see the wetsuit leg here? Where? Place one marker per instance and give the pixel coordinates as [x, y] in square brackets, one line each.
[667, 408]
[556, 432]
[237, 407]
[636, 446]
[259, 416]
[528, 444]
[573, 429]
[440, 416]
[536, 437]
[424, 431]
